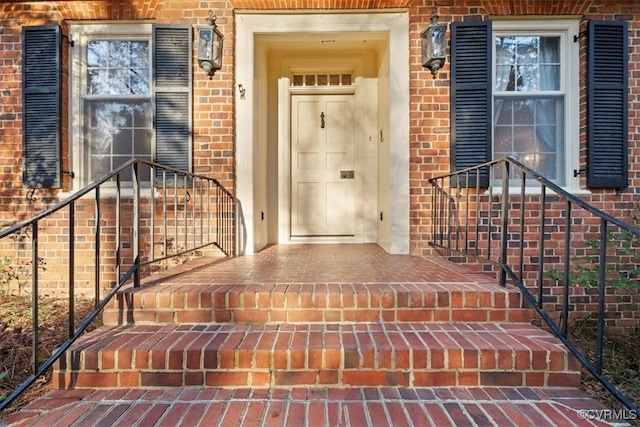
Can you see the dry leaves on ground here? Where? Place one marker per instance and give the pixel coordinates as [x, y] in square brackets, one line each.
[16, 336]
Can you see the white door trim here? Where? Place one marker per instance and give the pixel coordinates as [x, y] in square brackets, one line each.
[394, 129]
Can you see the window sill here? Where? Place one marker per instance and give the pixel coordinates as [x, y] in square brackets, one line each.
[536, 191]
[109, 193]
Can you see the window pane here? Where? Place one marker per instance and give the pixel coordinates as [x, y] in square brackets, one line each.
[505, 74]
[123, 142]
[549, 77]
[503, 141]
[116, 67]
[97, 53]
[527, 63]
[504, 112]
[119, 54]
[142, 143]
[531, 131]
[527, 78]
[118, 131]
[523, 112]
[527, 50]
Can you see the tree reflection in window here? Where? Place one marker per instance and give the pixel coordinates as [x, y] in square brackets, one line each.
[117, 133]
[118, 67]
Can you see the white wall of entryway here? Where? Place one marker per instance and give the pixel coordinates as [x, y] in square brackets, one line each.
[268, 47]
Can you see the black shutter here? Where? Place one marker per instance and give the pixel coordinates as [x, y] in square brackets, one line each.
[471, 95]
[172, 81]
[607, 79]
[41, 131]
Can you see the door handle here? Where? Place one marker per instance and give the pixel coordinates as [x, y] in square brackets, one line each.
[346, 174]
[322, 120]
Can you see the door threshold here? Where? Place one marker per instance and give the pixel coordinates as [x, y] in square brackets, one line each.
[323, 239]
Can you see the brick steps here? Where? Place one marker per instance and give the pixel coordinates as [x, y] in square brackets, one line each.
[317, 303]
[239, 324]
[355, 406]
[343, 355]
[378, 339]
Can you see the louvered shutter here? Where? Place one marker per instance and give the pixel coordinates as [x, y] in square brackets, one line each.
[41, 132]
[607, 79]
[471, 96]
[172, 86]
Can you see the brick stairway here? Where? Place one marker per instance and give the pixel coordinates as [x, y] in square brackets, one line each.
[296, 322]
[455, 334]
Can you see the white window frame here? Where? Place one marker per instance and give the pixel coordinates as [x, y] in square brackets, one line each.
[81, 33]
[566, 29]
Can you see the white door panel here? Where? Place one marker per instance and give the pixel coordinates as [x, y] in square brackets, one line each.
[322, 150]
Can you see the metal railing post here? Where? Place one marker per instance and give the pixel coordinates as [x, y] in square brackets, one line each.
[601, 293]
[543, 204]
[477, 240]
[522, 230]
[567, 261]
[152, 219]
[35, 353]
[490, 215]
[164, 213]
[118, 229]
[466, 214]
[97, 250]
[504, 240]
[136, 225]
[72, 268]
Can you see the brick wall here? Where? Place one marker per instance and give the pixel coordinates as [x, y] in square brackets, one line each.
[213, 99]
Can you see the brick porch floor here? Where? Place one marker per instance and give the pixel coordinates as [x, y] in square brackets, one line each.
[317, 335]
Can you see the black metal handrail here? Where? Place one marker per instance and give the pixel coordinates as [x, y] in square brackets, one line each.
[195, 212]
[486, 211]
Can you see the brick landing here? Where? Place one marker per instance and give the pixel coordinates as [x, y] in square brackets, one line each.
[316, 335]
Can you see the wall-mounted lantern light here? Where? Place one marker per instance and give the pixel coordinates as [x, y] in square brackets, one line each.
[434, 45]
[210, 46]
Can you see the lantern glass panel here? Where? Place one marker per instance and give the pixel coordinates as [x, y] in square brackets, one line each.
[205, 45]
[216, 47]
[437, 41]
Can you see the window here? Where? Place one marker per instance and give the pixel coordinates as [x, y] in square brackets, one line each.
[515, 92]
[116, 100]
[112, 102]
[320, 79]
[528, 111]
[535, 117]
[121, 106]
[477, 114]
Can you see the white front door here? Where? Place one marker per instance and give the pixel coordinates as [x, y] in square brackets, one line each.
[322, 165]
